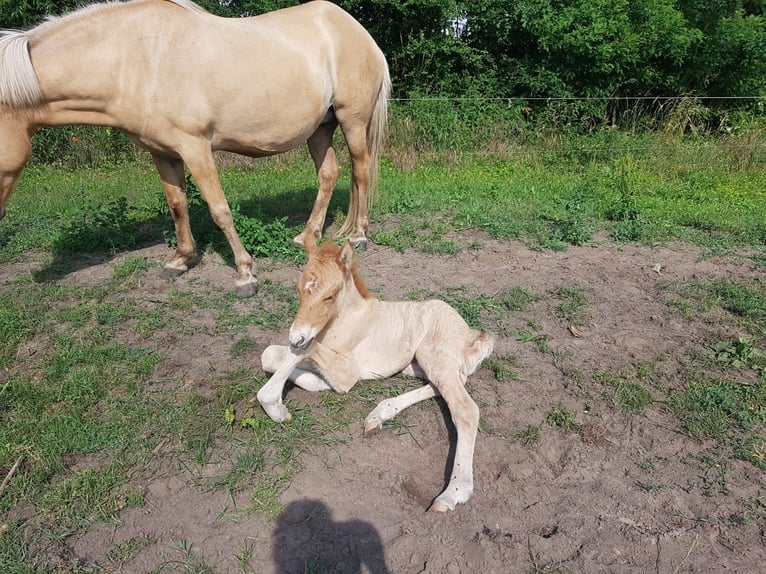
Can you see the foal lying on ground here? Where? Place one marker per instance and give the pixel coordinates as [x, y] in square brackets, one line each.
[343, 334]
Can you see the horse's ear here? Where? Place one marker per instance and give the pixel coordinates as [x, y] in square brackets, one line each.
[346, 257]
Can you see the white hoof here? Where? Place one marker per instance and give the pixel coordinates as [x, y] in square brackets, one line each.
[455, 493]
[277, 412]
[372, 425]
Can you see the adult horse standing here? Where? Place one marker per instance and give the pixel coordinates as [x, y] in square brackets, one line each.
[184, 83]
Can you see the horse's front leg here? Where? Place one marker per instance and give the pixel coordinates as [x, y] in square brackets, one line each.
[199, 158]
[171, 172]
[320, 147]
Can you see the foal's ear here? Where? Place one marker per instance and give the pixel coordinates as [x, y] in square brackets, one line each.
[346, 257]
[309, 243]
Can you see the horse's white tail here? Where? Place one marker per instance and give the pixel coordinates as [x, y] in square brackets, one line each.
[375, 132]
[19, 87]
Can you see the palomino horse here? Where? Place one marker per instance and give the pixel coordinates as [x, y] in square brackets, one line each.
[342, 334]
[183, 83]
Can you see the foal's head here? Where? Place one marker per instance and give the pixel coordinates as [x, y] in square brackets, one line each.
[330, 276]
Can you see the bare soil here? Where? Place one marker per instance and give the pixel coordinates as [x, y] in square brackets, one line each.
[627, 494]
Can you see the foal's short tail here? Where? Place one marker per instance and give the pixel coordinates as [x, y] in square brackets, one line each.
[19, 87]
[478, 350]
[376, 129]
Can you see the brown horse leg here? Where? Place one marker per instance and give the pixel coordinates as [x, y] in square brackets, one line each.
[320, 147]
[171, 172]
[17, 147]
[444, 374]
[202, 167]
[358, 218]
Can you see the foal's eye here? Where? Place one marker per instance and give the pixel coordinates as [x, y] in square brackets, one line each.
[330, 298]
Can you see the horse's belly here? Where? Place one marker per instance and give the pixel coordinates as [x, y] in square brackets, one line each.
[259, 138]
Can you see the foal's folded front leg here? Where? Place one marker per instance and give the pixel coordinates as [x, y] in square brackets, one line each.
[338, 368]
[270, 394]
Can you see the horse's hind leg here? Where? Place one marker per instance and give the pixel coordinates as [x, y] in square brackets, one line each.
[323, 154]
[171, 172]
[201, 165]
[358, 218]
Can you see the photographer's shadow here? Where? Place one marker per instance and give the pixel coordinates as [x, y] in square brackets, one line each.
[308, 540]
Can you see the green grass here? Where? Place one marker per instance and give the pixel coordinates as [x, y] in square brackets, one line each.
[625, 390]
[633, 188]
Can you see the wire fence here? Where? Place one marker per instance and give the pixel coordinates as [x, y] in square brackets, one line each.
[447, 128]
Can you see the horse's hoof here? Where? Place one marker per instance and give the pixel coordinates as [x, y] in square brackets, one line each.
[172, 272]
[371, 428]
[248, 288]
[438, 506]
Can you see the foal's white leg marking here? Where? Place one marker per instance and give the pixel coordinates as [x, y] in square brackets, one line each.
[389, 408]
[270, 394]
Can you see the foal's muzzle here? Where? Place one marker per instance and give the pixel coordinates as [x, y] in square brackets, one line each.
[299, 342]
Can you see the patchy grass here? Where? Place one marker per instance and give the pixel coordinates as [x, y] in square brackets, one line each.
[624, 390]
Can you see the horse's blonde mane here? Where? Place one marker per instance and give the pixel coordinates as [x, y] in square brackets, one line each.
[98, 7]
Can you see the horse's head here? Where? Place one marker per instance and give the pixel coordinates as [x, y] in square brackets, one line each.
[323, 289]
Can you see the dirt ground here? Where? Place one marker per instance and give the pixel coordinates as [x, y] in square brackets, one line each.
[626, 495]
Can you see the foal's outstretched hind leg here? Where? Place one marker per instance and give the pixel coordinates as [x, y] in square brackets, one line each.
[444, 375]
[389, 408]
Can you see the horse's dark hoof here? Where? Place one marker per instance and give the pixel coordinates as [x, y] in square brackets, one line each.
[171, 272]
[359, 245]
[248, 288]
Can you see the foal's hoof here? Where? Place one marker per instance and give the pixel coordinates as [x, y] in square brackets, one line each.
[247, 288]
[439, 506]
[372, 427]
